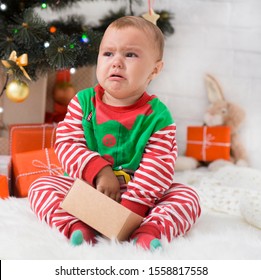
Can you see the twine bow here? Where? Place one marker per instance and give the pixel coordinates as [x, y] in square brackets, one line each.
[207, 142]
[51, 168]
[20, 61]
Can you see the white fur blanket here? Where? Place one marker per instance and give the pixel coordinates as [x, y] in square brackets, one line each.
[222, 232]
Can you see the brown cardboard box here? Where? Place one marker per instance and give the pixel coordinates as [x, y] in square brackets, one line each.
[100, 212]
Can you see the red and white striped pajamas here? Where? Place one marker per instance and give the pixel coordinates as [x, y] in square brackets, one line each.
[170, 208]
[173, 214]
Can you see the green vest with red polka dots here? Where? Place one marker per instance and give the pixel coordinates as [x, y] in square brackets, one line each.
[120, 134]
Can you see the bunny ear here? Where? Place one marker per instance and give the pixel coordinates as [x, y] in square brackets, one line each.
[214, 90]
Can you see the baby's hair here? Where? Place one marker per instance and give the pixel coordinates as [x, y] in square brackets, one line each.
[148, 27]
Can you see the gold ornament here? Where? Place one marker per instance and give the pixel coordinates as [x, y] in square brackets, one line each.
[17, 91]
[20, 61]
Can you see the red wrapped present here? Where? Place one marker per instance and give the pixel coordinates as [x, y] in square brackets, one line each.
[4, 189]
[30, 137]
[29, 166]
[207, 144]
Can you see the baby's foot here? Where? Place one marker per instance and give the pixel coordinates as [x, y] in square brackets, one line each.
[76, 238]
[81, 232]
[147, 241]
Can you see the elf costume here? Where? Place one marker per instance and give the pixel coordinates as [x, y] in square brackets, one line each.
[138, 142]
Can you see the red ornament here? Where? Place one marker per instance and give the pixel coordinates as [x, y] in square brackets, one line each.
[63, 90]
[52, 29]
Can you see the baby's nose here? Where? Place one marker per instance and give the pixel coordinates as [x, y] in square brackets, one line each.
[117, 63]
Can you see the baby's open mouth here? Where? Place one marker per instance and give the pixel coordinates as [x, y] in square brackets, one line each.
[115, 75]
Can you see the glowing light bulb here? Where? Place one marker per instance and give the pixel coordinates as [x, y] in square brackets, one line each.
[44, 6]
[3, 7]
[85, 38]
[53, 29]
[46, 44]
[72, 70]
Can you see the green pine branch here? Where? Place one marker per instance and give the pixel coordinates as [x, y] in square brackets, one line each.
[73, 44]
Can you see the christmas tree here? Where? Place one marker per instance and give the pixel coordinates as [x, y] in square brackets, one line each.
[30, 47]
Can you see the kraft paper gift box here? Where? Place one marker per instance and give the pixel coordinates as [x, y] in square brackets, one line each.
[207, 144]
[100, 212]
[29, 166]
[30, 137]
[4, 188]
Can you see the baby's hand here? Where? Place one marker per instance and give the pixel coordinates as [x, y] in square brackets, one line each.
[108, 184]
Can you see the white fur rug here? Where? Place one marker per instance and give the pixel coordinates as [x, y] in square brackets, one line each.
[220, 234]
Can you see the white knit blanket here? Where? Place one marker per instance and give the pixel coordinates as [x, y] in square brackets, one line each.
[232, 190]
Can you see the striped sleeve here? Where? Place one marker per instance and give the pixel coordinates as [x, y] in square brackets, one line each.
[155, 173]
[71, 148]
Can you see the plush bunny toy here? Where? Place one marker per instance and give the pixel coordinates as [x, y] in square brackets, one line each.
[220, 112]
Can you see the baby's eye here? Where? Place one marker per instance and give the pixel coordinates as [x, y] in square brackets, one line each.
[131, 54]
[107, 54]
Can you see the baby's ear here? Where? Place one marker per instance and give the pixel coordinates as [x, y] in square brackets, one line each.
[157, 69]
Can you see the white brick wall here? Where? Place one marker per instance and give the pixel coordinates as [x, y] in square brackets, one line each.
[220, 37]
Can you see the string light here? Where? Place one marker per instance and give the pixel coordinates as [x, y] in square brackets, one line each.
[85, 38]
[43, 5]
[52, 29]
[1, 110]
[46, 44]
[72, 70]
[3, 6]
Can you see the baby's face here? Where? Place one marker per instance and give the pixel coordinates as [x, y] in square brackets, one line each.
[127, 62]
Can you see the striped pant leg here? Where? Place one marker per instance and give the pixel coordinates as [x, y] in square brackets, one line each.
[45, 196]
[176, 212]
